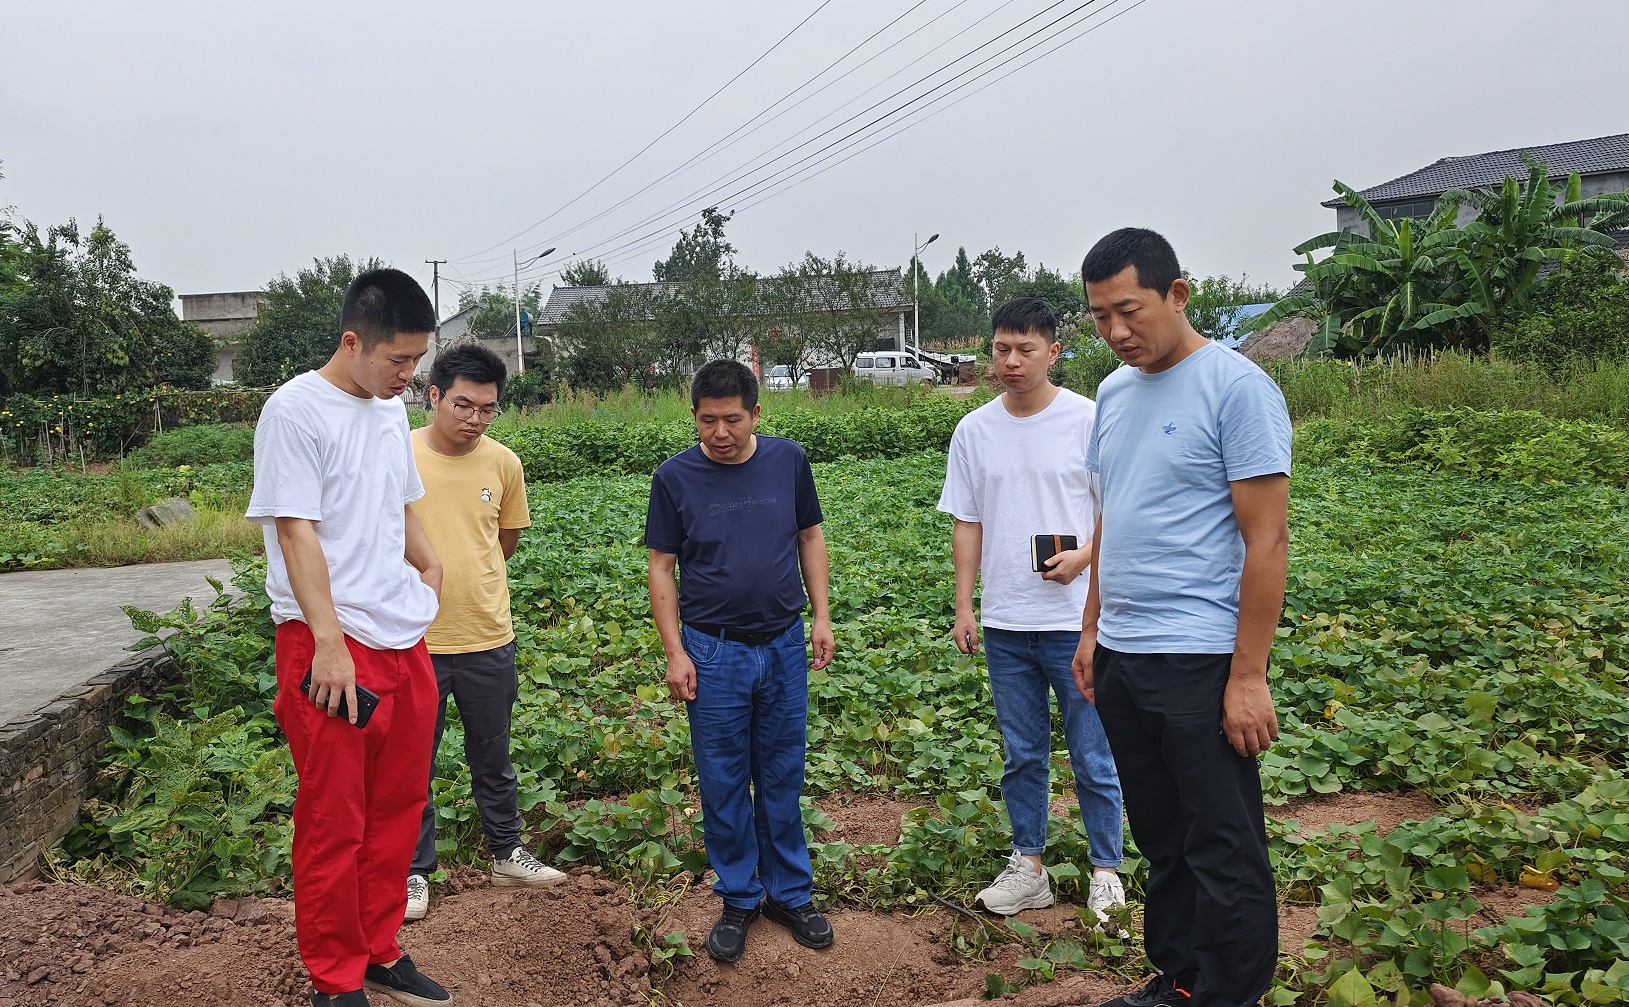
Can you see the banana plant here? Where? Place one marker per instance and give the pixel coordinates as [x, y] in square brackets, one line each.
[1380, 293]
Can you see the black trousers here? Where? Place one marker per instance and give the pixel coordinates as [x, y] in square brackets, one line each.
[484, 684]
[1194, 804]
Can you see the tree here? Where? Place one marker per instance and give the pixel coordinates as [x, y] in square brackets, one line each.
[75, 318]
[1213, 305]
[587, 273]
[708, 316]
[1064, 296]
[300, 327]
[829, 309]
[606, 344]
[960, 282]
[494, 316]
[701, 250]
[999, 275]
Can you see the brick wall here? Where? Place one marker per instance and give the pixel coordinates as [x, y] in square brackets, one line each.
[49, 759]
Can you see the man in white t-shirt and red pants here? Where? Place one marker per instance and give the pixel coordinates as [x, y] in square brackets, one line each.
[1015, 482]
[353, 585]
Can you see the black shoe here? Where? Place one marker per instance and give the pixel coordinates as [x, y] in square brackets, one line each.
[728, 938]
[1157, 992]
[809, 928]
[406, 984]
[355, 998]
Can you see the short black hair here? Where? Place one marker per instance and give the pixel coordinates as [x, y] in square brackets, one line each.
[470, 361]
[383, 303]
[724, 379]
[1026, 314]
[1153, 256]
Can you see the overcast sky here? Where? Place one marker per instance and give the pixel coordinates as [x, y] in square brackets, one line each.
[229, 142]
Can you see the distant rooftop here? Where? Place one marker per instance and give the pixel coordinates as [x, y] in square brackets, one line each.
[1586, 157]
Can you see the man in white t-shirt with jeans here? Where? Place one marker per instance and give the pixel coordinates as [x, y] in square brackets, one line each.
[353, 585]
[1017, 470]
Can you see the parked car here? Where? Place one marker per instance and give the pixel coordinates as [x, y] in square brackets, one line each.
[893, 368]
[779, 379]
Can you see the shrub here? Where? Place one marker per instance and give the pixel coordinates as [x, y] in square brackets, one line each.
[1581, 314]
[200, 445]
[1511, 445]
[552, 453]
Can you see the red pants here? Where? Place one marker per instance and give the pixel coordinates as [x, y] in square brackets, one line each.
[357, 810]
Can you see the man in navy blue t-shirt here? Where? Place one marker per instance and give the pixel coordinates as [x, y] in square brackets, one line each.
[739, 518]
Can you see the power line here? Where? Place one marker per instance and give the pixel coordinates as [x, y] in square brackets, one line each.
[707, 191]
[663, 133]
[782, 185]
[742, 131]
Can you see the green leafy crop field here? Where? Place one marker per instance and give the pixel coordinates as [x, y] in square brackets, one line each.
[1445, 634]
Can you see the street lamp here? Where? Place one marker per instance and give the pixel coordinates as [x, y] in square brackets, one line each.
[520, 353]
[916, 288]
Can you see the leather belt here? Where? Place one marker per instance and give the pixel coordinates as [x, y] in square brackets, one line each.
[737, 635]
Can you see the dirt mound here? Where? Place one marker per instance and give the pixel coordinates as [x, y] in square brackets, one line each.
[878, 958]
[77, 946]
[70, 947]
[1286, 337]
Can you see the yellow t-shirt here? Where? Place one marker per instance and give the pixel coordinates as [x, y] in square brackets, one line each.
[467, 499]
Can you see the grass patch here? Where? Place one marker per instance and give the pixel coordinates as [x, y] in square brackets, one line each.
[120, 541]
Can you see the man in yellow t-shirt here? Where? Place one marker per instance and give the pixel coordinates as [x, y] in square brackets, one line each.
[472, 511]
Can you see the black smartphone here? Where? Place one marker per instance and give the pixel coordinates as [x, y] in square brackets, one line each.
[366, 701]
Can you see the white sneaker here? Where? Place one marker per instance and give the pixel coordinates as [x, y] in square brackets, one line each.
[1103, 895]
[524, 871]
[1016, 888]
[418, 896]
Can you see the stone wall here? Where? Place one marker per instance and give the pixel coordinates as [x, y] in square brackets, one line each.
[49, 759]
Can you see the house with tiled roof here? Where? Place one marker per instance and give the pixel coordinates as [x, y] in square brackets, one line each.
[1602, 165]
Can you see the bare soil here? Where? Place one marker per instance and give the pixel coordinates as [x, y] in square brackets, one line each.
[1353, 807]
[66, 946]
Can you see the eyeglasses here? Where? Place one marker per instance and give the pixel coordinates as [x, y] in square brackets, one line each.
[463, 410]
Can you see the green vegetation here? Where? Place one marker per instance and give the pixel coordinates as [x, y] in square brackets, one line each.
[52, 518]
[1450, 628]
[1412, 285]
[76, 319]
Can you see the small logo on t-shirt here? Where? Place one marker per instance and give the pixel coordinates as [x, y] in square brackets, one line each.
[1170, 429]
[486, 494]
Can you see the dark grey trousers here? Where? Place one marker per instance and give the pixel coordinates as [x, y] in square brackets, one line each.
[484, 685]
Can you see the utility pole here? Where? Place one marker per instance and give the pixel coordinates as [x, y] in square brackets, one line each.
[520, 351]
[435, 287]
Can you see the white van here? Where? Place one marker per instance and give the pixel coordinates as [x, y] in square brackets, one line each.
[893, 367]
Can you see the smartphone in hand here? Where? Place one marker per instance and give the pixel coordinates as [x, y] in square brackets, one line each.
[366, 701]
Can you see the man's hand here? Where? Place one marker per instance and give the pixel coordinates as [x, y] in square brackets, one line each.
[822, 642]
[333, 677]
[681, 677]
[1064, 567]
[1248, 717]
[432, 577]
[966, 633]
[1082, 665]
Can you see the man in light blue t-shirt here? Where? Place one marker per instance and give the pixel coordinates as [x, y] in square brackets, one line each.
[1192, 452]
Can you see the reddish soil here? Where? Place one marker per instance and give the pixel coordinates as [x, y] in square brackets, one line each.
[63, 946]
[865, 820]
[1385, 810]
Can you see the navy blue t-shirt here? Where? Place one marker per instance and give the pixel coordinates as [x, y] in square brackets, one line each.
[735, 531]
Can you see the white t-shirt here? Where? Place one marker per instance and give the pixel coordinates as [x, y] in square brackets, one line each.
[347, 464]
[1022, 476]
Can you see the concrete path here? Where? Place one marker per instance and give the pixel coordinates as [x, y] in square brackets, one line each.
[61, 628]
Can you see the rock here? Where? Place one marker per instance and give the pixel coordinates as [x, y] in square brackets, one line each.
[167, 514]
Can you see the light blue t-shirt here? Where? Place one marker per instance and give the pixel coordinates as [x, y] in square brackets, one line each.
[1165, 448]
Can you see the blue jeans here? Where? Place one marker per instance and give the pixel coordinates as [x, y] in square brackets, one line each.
[1023, 666]
[747, 730]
